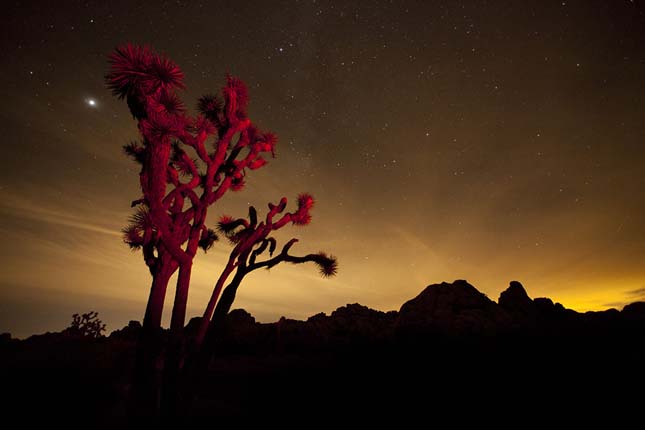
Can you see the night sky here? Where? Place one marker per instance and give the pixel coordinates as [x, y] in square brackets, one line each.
[479, 140]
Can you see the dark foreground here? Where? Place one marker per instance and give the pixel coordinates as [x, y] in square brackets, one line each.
[450, 347]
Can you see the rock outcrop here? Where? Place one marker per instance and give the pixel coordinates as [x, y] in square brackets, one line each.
[451, 309]
[517, 303]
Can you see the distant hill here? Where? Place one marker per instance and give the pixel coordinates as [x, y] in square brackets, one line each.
[448, 310]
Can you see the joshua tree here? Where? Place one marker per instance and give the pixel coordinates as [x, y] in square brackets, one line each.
[182, 174]
[252, 240]
[188, 164]
[162, 225]
[86, 325]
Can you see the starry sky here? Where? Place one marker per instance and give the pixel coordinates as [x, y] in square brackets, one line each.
[479, 140]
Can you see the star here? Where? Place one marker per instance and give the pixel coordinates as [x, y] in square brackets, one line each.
[92, 103]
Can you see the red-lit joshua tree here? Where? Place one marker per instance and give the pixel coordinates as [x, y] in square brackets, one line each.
[182, 173]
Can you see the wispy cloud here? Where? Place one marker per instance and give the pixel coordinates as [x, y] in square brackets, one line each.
[22, 208]
[639, 292]
[631, 296]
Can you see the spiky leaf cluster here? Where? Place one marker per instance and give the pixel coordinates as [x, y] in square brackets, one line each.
[137, 70]
[209, 237]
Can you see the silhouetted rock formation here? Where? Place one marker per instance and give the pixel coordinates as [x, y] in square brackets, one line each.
[451, 309]
[354, 323]
[539, 314]
[129, 332]
[635, 312]
[448, 309]
[517, 303]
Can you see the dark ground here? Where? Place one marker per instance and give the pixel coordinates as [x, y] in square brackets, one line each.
[451, 348]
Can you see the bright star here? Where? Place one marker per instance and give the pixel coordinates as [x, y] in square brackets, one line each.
[91, 102]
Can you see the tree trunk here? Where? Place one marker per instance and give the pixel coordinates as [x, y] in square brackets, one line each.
[157, 164]
[204, 323]
[197, 365]
[154, 308]
[144, 398]
[175, 352]
[181, 299]
[219, 316]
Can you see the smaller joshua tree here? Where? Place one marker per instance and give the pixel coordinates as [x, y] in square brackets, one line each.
[86, 325]
[252, 240]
